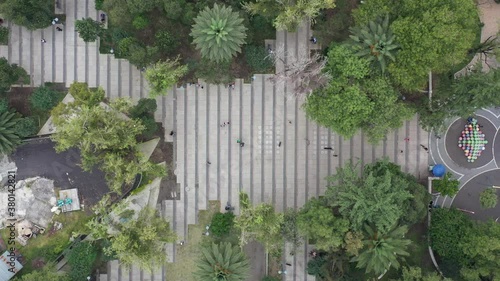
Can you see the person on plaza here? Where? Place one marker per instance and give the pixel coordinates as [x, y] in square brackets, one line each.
[313, 40]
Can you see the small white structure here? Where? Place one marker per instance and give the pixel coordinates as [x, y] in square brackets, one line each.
[73, 195]
[9, 266]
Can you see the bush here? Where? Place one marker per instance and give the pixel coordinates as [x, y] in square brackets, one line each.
[221, 224]
[315, 266]
[260, 30]
[166, 42]
[98, 4]
[4, 35]
[150, 124]
[446, 186]
[140, 22]
[488, 198]
[26, 127]
[271, 278]
[4, 105]
[81, 260]
[44, 99]
[214, 73]
[88, 29]
[143, 107]
[258, 59]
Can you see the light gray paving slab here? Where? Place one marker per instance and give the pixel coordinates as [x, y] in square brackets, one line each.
[248, 134]
[258, 139]
[213, 144]
[103, 73]
[15, 43]
[201, 139]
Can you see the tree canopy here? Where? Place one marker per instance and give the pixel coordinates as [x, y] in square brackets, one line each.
[370, 198]
[32, 14]
[104, 136]
[88, 29]
[218, 33]
[10, 74]
[288, 14]
[355, 99]
[163, 75]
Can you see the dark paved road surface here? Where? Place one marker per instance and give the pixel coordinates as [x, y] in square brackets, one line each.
[38, 158]
[457, 154]
[468, 197]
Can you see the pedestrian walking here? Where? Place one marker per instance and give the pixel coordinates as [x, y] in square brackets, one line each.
[43, 40]
[172, 133]
[335, 155]
[313, 40]
[209, 163]
[279, 144]
[424, 147]
[242, 144]
[328, 148]
[59, 29]
[407, 139]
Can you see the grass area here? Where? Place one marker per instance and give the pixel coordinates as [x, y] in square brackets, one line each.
[185, 263]
[49, 246]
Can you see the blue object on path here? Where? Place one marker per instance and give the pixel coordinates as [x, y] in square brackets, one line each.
[438, 170]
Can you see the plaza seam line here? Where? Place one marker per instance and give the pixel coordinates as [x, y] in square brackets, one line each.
[207, 142]
[263, 136]
[218, 141]
[240, 164]
[119, 78]
[274, 145]
[32, 67]
[42, 58]
[75, 47]
[86, 45]
[196, 158]
[229, 131]
[284, 122]
[252, 112]
[174, 211]
[184, 188]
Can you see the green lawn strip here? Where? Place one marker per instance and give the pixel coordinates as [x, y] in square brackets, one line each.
[49, 246]
[187, 255]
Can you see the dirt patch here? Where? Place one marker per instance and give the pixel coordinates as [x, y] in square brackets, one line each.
[38, 263]
[19, 99]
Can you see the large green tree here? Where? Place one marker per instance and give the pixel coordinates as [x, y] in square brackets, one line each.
[33, 14]
[288, 14]
[163, 75]
[434, 35]
[415, 274]
[105, 137]
[260, 223]
[355, 99]
[375, 41]
[317, 222]
[89, 29]
[218, 33]
[222, 262]
[369, 198]
[382, 249]
[134, 238]
[460, 97]
[11, 74]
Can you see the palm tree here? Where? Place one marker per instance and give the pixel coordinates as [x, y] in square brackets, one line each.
[222, 262]
[8, 137]
[218, 33]
[382, 250]
[375, 41]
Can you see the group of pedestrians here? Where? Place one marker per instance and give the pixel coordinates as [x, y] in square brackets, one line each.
[58, 28]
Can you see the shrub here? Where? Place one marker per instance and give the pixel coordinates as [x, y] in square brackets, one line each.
[150, 124]
[88, 29]
[44, 99]
[143, 107]
[165, 41]
[26, 127]
[98, 4]
[4, 105]
[221, 224]
[81, 259]
[315, 266]
[446, 186]
[488, 198]
[258, 59]
[271, 278]
[140, 22]
[214, 73]
[4, 35]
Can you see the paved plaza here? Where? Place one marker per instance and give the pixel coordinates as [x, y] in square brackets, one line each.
[476, 176]
[283, 161]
